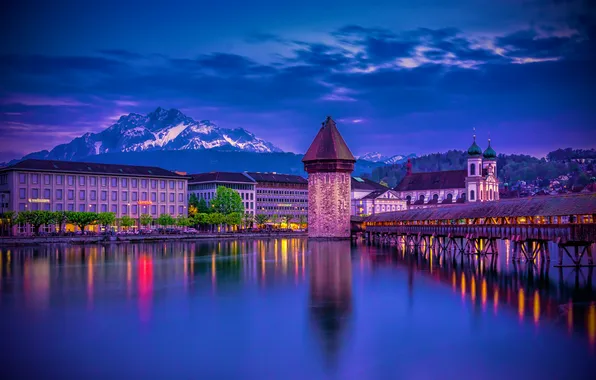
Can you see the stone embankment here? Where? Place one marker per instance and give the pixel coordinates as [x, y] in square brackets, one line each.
[99, 239]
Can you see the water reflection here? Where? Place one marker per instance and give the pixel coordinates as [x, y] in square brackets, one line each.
[290, 305]
[330, 292]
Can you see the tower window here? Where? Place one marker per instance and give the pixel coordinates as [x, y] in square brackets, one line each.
[472, 195]
[472, 169]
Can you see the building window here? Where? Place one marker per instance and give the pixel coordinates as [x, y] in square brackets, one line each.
[472, 195]
[82, 195]
[59, 179]
[114, 182]
[171, 210]
[114, 195]
[162, 209]
[34, 178]
[22, 178]
[104, 195]
[172, 197]
[153, 209]
[104, 181]
[180, 210]
[133, 183]
[180, 185]
[421, 198]
[125, 209]
[93, 195]
[172, 185]
[153, 197]
[70, 180]
[180, 197]
[135, 209]
[162, 197]
[144, 183]
[144, 196]
[154, 184]
[115, 209]
[93, 208]
[82, 207]
[472, 169]
[71, 207]
[124, 182]
[35, 193]
[47, 194]
[162, 184]
[436, 197]
[125, 195]
[93, 181]
[449, 198]
[21, 206]
[22, 193]
[81, 181]
[104, 208]
[59, 207]
[59, 194]
[46, 207]
[134, 195]
[490, 194]
[47, 179]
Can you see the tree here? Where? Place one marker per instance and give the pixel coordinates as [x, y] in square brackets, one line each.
[8, 220]
[248, 219]
[60, 218]
[145, 219]
[261, 219]
[202, 207]
[183, 221]
[301, 220]
[35, 219]
[166, 220]
[383, 183]
[274, 219]
[233, 219]
[201, 219]
[82, 219]
[106, 219]
[193, 204]
[227, 201]
[287, 219]
[216, 219]
[127, 222]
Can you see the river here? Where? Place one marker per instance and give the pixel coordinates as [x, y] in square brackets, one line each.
[289, 309]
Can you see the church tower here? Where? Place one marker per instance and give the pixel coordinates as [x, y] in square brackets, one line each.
[491, 182]
[329, 164]
[474, 178]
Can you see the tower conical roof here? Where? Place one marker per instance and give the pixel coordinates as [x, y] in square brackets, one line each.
[474, 149]
[328, 145]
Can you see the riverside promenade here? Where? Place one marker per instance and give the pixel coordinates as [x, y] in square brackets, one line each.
[98, 239]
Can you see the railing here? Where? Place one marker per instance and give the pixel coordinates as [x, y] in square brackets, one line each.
[554, 232]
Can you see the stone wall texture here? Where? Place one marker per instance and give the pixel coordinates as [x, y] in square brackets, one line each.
[329, 205]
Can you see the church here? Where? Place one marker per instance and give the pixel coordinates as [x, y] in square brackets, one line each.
[477, 183]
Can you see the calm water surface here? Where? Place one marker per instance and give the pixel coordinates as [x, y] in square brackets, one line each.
[289, 309]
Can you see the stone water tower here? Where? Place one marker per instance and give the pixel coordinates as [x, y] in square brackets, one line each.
[329, 164]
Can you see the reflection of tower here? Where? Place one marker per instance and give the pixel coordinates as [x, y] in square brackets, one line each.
[330, 291]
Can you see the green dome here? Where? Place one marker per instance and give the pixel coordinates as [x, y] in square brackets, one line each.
[490, 153]
[474, 149]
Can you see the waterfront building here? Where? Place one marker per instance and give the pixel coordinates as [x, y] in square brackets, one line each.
[477, 183]
[204, 186]
[369, 198]
[281, 194]
[84, 186]
[329, 164]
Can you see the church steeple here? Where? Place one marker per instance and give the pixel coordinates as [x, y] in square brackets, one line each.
[489, 153]
[474, 149]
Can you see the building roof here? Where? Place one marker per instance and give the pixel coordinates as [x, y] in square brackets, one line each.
[377, 193]
[490, 153]
[277, 178]
[450, 179]
[474, 149]
[556, 205]
[359, 183]
[92, 168]
[221, 177]
[328, 145]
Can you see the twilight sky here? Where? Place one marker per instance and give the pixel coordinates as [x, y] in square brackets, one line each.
[399, 76]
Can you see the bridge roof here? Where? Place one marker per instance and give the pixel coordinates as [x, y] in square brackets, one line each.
[576, 204]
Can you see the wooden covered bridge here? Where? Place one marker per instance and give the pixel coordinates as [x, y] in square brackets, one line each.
[473, 228]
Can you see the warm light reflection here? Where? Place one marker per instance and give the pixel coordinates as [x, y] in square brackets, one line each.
[483, 294]
[521, 304]
[90, 280]
[473, 289]
[496, 300]
[145, 285]
[453, 281]
[591, 322]
[213, 270]
[536, 307]
[463, 286]
[129, 277]
[570, 316]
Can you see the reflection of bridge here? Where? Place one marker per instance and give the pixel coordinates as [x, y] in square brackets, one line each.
[530, 223]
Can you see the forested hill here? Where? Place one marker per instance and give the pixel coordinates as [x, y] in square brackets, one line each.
[511, 168]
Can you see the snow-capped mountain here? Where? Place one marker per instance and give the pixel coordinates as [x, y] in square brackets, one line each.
[159, 130]
[389, 160]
